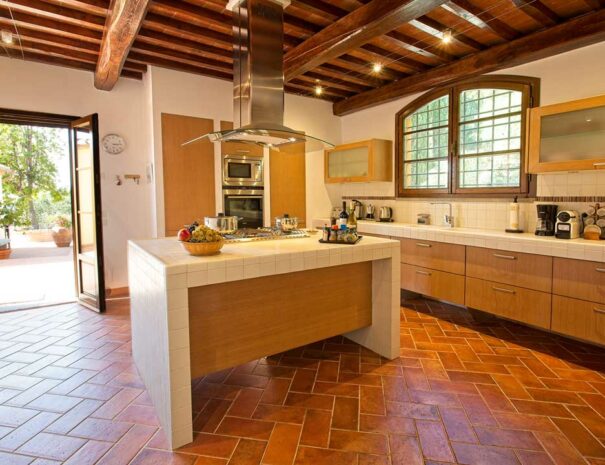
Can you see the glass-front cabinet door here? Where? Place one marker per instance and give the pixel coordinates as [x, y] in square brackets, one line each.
[568, 136]
[364, 161]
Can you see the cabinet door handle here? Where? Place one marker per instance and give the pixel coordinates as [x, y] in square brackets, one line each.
[599, 310]
[600, 270]
[425, 273]
[501, 289]
[506, 257]
[599, 163]
[422, 244]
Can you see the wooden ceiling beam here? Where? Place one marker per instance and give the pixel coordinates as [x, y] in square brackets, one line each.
[156, 38]
[121, 28]
[481, 18]
[538, 11]
[578, 32]
[595, 4]
[58, 12]
[352, 31]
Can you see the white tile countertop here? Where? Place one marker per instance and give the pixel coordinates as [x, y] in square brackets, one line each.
[244, 260]
[580, 249]
[528, 242]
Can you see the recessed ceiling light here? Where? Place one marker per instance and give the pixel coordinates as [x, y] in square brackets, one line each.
[377, 67]
[446, 36]
[318, 90]
[7, 36]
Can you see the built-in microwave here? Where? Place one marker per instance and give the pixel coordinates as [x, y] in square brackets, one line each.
[242, 170]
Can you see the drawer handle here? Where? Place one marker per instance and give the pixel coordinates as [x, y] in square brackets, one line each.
[425, 273]
[506, 257]
[599, 310]
[599, 163]
[600, 270]
[501, 289]
[422, 244]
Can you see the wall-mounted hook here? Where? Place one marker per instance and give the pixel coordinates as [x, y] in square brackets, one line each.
[118, 180]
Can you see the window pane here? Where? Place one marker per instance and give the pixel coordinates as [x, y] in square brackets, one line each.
[431, 143]
[501, 170]
[483, 103]
[425, 175]
[431, 115]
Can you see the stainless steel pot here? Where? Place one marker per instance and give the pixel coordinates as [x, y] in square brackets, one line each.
[221, 223]
[285, 223]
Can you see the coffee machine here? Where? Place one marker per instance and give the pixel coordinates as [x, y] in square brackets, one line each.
[568, 225]
[547, 218]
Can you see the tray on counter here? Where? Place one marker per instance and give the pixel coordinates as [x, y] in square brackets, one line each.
[321, 241]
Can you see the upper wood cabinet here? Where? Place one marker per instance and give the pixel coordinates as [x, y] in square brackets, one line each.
[567, 136]
[365, 161]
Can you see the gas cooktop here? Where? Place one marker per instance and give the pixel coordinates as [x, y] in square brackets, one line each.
[263, 234]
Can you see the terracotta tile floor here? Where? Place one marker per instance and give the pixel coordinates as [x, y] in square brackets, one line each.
[463, 391]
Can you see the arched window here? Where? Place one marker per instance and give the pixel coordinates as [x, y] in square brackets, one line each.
[468, 139]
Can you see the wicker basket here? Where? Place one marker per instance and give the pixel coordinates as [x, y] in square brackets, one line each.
[203, 248]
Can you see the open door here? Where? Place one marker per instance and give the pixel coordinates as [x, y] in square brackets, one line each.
[87, 223]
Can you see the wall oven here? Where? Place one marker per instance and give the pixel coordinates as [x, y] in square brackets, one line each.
[247, 204]
[242, 171]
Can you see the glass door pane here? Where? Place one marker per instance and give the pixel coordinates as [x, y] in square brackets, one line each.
[350, 163]
[87, 213]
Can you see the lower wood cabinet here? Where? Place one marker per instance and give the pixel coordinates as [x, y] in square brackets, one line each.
[579, 318]
[434, 255]
[524, 305]
[437, 284]
[579, 278]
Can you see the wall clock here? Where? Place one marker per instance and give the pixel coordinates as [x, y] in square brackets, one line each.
[114, 144]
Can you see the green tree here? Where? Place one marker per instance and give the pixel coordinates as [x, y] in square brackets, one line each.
[28, 152]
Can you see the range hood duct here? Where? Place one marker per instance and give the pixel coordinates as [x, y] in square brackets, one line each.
[258, 79]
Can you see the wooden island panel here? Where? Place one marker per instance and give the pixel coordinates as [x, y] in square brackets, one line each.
[268, 315]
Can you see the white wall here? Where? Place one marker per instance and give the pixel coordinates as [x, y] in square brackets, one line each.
[204, 97]
[126, 209]
[573, 75]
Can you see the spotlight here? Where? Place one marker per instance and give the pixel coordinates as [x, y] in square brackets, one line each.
[319, 90]
[446, 37]
[377, 67]
[7, 36]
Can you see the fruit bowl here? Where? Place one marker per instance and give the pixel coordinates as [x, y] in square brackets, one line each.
[200, 249]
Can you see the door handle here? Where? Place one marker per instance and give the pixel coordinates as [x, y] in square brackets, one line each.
[506, 257]
[600, 270]
[422, 244]
[598, 310]
[425, 273]
[501, 289]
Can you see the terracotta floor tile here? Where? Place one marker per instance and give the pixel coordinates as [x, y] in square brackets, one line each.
[101, 430]
[483, 455]
[160, 457]
[541, 408]
[525, 422]
[72, 418]
[312, 401]
[580, 437]
[395, 389]
[283, 444]
[248, 452]
[279, 413]
[316, 428]
[213, 445]
[328, 371]
[211, 415]
[336, 389]
[13, 416]
[117, 403]
[210, 461]
[495, 398]
[313, 456]
[446, 399]
[507, 438]
[52, 446]
[385, 424]
[245, 428]
[276, 391]
[95, 391]
[560, 449]
[14, 459]
[511, 387]
[128, 447]
[346, 413]
[433, 441]
[27, 430]
[405, 450]
[303, 380]
[245, 380]
[551, 395]
[477, 410]
[530, 457]
[370, 443]
[140, 414]
[590, 419]
[371, 400]
[457, 425]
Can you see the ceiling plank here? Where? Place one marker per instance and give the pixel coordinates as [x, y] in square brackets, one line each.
[595, 4]
[435, 28]
[482, 18]
[578, 32]
[538, 11]
[353, 30]
[121, 28]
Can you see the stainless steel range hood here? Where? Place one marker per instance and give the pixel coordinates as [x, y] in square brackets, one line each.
[258, 79]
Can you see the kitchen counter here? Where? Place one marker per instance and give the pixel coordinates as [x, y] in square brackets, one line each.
[196, 315]
[528, 242]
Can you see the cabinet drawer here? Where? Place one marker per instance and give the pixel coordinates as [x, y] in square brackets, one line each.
[434, 255]
[579, 279]
[578, 318]
[516, 303]
[514, 268]
[437, 284]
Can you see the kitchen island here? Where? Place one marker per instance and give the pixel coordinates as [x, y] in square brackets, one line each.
[196, 315]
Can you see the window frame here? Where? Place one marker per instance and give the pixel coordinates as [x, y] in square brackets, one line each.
[529, 86]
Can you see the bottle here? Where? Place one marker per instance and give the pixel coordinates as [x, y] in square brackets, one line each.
[344, 216]
[326, 233]
[352, 220]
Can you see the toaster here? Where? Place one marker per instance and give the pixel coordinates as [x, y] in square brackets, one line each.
[567, 225]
